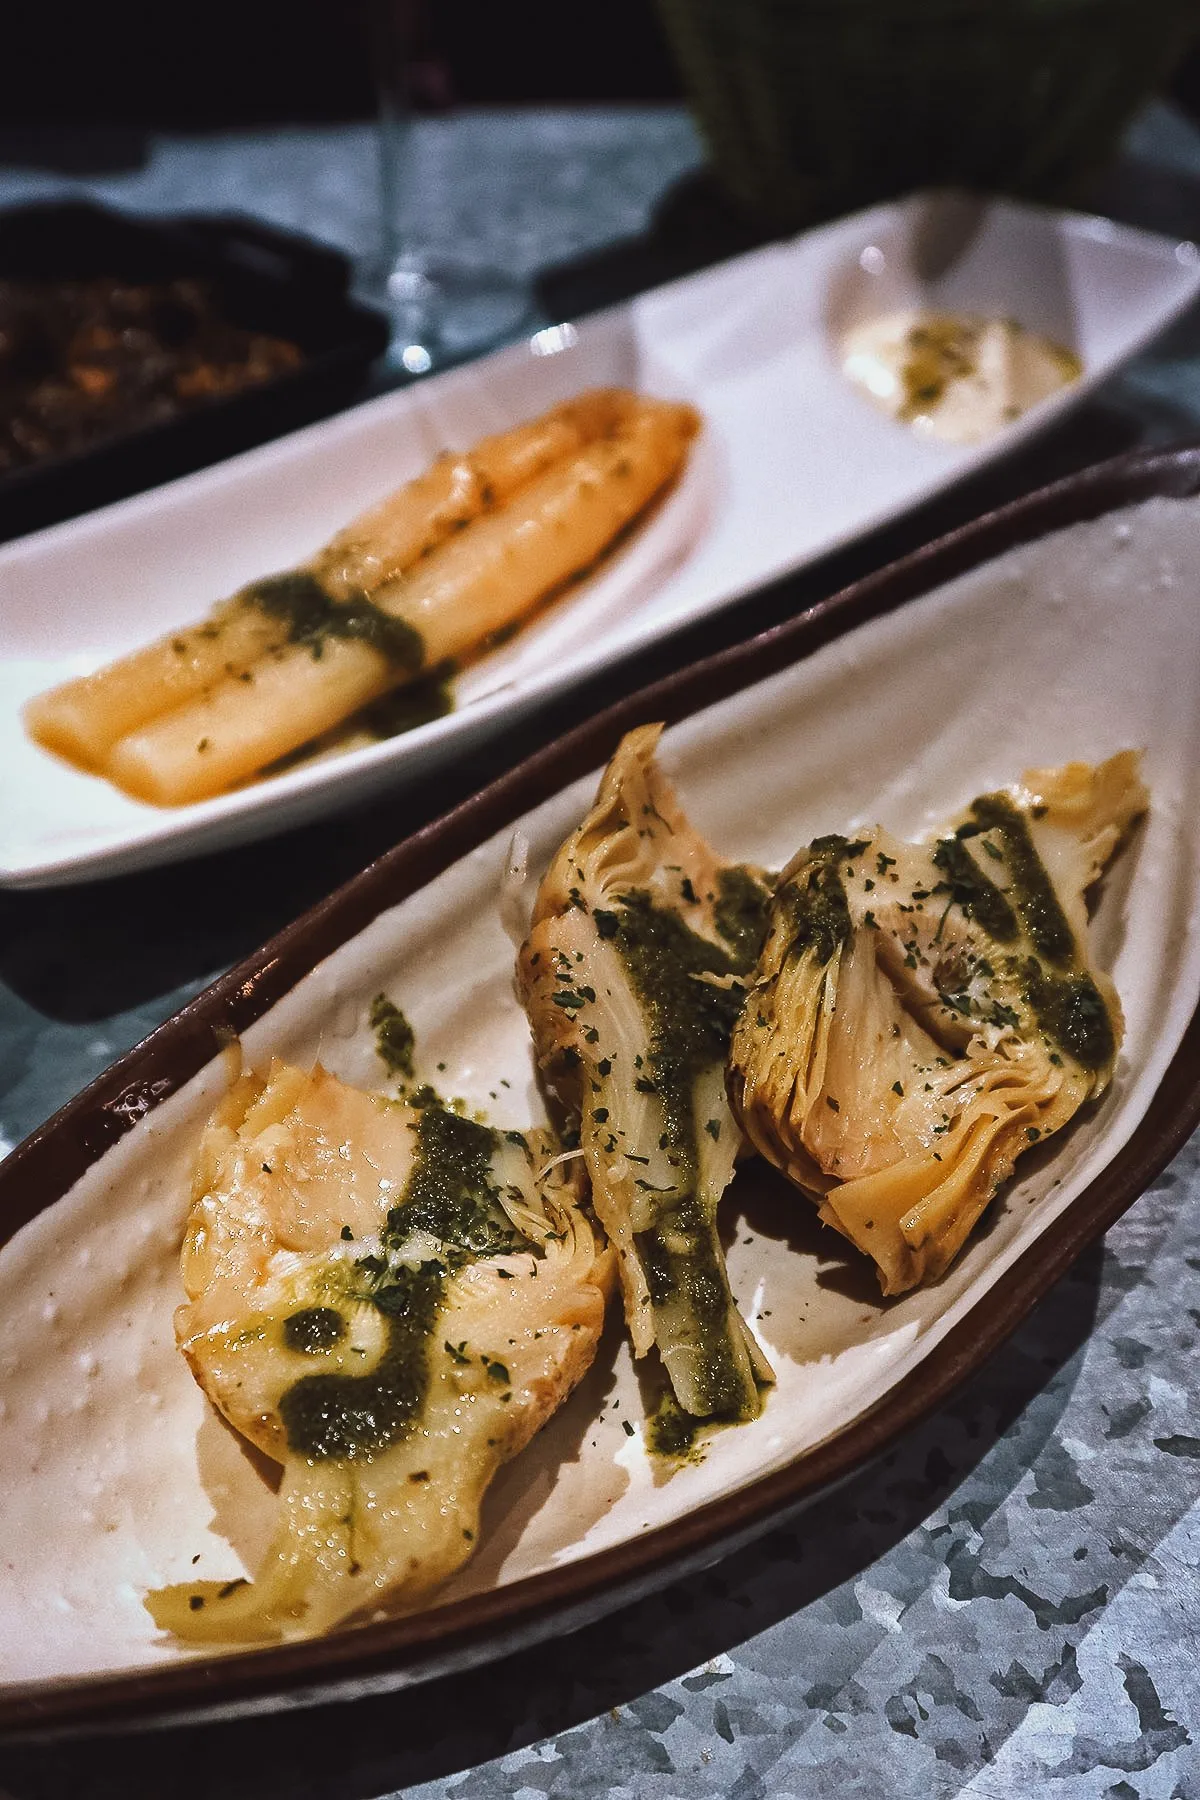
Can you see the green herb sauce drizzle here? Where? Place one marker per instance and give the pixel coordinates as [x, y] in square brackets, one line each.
[811, 909]
[1064, 998]
[313, 616]
[313, 1330]
[690, 1024]
[336, 1417]
[1031, 887]
[451, 1196]
[407, 707]
[1071, 1010]
[395, 1039]
[670, 1431]
[451, 1193]
[739, 913]
[976, 896]
[682, 1262]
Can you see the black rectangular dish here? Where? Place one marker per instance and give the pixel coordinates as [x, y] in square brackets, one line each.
[211, 289]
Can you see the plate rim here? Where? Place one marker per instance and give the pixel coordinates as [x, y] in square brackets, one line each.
[167, 835]
[423, 1645]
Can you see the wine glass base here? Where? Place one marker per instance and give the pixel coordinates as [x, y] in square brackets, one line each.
[441, 310]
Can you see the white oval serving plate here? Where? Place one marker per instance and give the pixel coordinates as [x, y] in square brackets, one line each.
[793, 463]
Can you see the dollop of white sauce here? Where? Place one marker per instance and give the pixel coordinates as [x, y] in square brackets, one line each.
[955, 376]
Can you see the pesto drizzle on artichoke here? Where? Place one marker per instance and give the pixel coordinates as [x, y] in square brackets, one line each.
[313, 1329]
[1065, 1000]
[976, 896]
[690, 1023]
[1031, 887]
[812, 908]
[450, 1197]
[1070, 1009]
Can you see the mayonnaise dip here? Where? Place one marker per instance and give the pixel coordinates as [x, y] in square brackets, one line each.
[955, 376]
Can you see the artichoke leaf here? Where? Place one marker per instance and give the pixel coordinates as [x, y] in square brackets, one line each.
[923, 1013]
[632, 974]
[389, 1300]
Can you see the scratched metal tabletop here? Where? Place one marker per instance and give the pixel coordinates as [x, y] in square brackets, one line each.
[1010, 1604]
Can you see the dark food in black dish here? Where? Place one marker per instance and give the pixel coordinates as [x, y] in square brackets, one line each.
[80, 360]
[134, 350]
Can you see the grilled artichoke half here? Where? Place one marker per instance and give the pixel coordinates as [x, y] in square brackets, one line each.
[389, 1300]
[922, 1013]
[632, 976]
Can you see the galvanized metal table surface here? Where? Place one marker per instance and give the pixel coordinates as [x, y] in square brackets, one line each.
[1010, 1604]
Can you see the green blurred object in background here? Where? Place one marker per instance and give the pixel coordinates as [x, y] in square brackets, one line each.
[812, 108]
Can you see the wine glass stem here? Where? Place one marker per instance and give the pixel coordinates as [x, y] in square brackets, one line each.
[394, 127]
[393, 34]
[440, 308]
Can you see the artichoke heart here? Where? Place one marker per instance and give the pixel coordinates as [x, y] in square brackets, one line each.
[632, 975]
[922, 1013]
[388, 1299]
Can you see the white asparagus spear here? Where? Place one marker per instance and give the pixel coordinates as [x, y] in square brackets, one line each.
[83, 719]
[388, 539]
[477, 583]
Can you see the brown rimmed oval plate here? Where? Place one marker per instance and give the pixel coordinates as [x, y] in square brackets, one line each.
[1062, 627]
